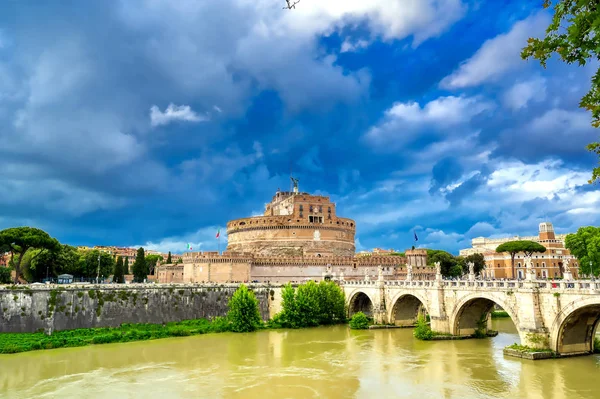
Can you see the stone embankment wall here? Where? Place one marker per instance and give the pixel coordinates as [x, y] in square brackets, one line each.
[50, 308]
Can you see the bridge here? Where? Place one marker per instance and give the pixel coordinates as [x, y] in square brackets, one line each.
[562, 316]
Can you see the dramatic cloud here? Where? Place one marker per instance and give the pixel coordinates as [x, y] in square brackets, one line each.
[522, 93]
[174, 113]
[402, 119]
[498, 55]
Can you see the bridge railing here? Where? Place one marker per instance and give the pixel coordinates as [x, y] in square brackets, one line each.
[485, 284]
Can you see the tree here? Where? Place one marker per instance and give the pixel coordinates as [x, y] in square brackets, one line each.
[359, 321]
[152, 261]
[332, 303]
[92, 268]
[140, 268]
[126, 266]
[5, 275]
[573, 34]
[20, 239]
[244, 314]
[477, 259]
[448, 263]
[65, 259]
[169, 258]
[585, 246]
[514, 247]
[118, 275]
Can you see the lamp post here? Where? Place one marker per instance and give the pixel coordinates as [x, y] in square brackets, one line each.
[591, 271]
[98, 271]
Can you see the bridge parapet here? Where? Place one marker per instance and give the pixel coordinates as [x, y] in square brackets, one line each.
[559, 315]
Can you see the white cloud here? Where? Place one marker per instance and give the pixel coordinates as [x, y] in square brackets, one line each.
[219, 110]
[174, 113]
[349, 46]
[200, 240]
[520, 94]
[498, 55]
[402, 119]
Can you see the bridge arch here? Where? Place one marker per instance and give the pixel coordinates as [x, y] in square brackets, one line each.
[575, 327]
[472, 311]
[360, 301]
[406, 307]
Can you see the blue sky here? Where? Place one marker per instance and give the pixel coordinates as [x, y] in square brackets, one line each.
[154, 122]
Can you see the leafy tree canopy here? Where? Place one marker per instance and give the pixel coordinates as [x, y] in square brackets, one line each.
[140, 267]
[573, 34]
[585, 246]
[152, 261]
[478, 261]
[20, 239]
[244, 314]
[525, 246]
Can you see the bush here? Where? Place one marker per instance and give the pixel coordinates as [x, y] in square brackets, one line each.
[244, 314]
[5, 275]
[596, 344]
[359, 321]
[422, 330]
[311, 305]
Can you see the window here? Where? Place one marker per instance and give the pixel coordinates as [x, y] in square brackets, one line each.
[310, 209]
[320, 208]
[329, 209]
[301, 208]
[519, 264]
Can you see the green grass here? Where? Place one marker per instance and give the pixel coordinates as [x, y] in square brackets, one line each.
[14, 343]
[499, 314]
[523, 348]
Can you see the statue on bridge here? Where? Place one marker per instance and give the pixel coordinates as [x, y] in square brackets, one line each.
[529, 272]
[471, 266]
[380, 273]
[409, 272]
[567, 275]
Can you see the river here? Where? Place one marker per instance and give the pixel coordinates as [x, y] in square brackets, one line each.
[325, 362]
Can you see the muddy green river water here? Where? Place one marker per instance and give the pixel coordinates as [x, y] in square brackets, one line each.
[328, 362]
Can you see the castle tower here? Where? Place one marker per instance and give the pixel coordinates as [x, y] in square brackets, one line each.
[546, 231]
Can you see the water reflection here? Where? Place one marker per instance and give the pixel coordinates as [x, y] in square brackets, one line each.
[322, 362]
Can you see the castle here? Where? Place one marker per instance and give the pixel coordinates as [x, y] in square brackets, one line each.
[300, 237]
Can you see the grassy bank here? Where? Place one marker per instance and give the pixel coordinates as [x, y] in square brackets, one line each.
[14, 343]
[499, 314]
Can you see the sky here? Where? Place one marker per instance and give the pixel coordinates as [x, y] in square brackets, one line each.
[154, 122]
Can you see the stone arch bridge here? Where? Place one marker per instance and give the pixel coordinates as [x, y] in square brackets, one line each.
[561, 316]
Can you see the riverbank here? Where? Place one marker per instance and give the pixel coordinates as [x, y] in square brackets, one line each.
[24, 342]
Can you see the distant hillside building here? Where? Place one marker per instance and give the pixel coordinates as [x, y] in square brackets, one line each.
[546, 265]
[300, 237]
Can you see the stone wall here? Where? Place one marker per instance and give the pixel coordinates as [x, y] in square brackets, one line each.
[52, 308]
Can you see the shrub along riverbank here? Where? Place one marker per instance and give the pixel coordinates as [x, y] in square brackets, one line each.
[309, 305]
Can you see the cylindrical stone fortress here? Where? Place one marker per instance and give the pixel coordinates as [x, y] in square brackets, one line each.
[294, 224]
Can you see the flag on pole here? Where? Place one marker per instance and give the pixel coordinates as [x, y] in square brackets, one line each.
[189, 247]
[218, 233]
[416, 238]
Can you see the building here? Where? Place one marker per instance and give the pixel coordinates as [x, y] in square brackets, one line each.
[300, 237]
[546, 265]
[4, 259]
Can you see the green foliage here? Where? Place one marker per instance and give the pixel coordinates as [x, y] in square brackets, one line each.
[5, 275]
[359, 321]
[64, 259]
[152, 261]
[20, 239]
[574, 35]
[14, 343]
[169, 258]
[422, 330]
[449, 264]
[244, 313]
[596, 344]
[118, 275]
[126, 266]
[524, 348]
[90, 264]
[514, 247]
[499, 314]
[140, 268]
[478, 261]
[585, 246]
[311, 305]
[398, 254]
